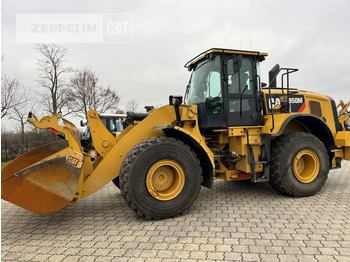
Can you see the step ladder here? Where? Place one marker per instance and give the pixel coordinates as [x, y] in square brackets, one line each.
[264, 158]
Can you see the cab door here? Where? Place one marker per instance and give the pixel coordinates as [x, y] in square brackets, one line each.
[241, 92]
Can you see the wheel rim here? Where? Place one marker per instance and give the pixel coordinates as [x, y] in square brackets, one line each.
[165, 180]
[306, 166]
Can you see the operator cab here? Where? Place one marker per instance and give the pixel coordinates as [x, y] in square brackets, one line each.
[225, 85]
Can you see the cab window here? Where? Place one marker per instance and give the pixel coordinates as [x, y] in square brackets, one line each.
[240, 83]
[205, 85]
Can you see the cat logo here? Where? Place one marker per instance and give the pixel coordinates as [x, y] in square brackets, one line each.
[296, 103]
[72, 161]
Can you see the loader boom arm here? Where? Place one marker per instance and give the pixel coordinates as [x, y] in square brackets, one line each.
[344, 114]
[113, 156]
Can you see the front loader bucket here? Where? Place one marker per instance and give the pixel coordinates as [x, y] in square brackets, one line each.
[43, 180]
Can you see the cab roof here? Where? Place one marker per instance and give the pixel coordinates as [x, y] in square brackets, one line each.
[226, 51]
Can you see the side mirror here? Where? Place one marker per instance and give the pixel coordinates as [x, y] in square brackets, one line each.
[175, 100]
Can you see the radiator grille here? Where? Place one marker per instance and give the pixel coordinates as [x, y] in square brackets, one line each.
[315, 108]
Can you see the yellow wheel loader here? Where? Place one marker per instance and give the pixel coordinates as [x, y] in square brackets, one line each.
[230, 126]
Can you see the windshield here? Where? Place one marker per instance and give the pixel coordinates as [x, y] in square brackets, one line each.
[205, 82]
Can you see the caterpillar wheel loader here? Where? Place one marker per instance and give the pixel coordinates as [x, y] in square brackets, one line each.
[230, 126]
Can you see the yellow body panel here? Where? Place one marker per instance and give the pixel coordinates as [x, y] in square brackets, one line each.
[347, 153]
[103, 140]
[326, 110]
[343, 140]
[236, 138]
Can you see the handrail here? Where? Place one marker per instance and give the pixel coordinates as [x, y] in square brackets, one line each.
[289, 71]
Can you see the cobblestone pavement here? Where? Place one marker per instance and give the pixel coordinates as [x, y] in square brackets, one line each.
[233, 222]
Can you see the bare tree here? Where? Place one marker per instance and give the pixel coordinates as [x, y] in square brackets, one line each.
[85, 93]
[12, 94]
[52, 67]
[20, 113]
[132, 106]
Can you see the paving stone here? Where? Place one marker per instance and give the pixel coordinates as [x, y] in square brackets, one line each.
[215, 255]
[288, 258]
[26, 257]
[56, 258]
[342, 258]
[269, 257]
[179, 254]
[233, 256]
[148, 253]
[328, 251]
[41, 257]
[292, 250]
[257, 249]
[198, 255]
[306, 258]
[250, 257]
[323, 258]
[71, 259]
[191, 247]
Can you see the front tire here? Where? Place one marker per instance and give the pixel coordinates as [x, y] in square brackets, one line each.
[299, 164]
[160, 178]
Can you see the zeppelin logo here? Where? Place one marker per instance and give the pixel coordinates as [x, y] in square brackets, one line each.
[72, 161]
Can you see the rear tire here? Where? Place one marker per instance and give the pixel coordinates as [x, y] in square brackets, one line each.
[160, 178]
[299, 164]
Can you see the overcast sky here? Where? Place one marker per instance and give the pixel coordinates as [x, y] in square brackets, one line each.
[313, 36]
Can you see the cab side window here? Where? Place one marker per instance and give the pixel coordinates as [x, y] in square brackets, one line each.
[240, 85]
[214, 98]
